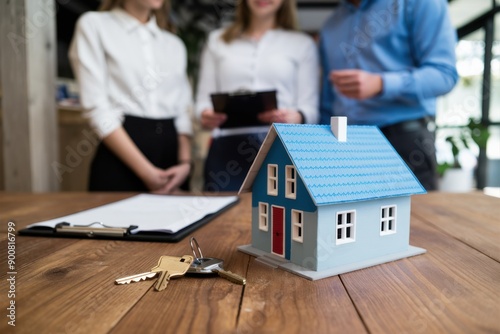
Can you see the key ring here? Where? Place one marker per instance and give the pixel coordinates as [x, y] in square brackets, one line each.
[193, 242]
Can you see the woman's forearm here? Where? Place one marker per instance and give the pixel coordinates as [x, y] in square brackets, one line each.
[184, 149]
[120, 143]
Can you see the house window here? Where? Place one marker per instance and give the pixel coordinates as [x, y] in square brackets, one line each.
[388, 220]
[345, 227]
[263, 216]
[272, 180]
[298, 225]
[290, 188]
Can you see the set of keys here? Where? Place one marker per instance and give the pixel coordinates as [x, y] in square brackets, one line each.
[172, 266]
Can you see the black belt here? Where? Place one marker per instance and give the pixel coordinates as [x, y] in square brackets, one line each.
[406, 126]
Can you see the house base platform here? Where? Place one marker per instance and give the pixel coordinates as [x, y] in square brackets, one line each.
[277, 262]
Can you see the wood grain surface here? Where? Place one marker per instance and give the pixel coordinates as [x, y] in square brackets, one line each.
[67, 285]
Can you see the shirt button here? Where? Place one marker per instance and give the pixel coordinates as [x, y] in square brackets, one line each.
[159, 128]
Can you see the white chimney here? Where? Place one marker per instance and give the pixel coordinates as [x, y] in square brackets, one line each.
[339, 127]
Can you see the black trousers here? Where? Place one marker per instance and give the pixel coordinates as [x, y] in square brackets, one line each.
[155, 138]
[415, 144]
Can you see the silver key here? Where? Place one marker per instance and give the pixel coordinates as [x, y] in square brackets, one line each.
[209, 265]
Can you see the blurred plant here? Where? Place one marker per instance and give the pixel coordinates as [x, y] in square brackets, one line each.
[194, 20]
[473, 133]
[467, 81]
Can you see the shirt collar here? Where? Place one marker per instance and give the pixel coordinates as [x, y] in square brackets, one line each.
[130, 23]
[349, 5]
[266, 35]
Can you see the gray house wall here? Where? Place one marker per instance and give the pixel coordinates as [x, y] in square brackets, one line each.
[368, 242]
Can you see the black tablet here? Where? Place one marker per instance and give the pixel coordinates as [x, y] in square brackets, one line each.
[243, 107]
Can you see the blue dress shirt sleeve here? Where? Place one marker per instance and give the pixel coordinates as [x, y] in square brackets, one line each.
[409, 43]
[432, 44]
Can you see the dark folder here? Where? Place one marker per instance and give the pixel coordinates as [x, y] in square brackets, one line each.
[71, 227]
[243, 107]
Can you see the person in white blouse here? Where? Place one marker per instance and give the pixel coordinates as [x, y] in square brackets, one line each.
[260, 51]
[133, 86]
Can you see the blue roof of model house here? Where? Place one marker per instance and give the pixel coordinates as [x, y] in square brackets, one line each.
[364, 167]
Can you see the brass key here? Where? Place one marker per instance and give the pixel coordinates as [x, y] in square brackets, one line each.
[168, 266]
[171, 266]
[135, 278]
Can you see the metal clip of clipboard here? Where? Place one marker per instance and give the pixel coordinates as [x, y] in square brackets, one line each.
[89, 231]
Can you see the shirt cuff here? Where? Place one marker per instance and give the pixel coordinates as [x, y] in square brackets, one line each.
[200, 107]
[104, 126]
[303, 121]
[392, 83]
[309, 116]
[183, 126]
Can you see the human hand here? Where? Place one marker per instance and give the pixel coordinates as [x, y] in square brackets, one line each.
[176, 176]
[155, 178]
[357, 84]
[211, 120]
[280, 116]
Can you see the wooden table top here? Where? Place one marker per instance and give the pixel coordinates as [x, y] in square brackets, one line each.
[67, 285]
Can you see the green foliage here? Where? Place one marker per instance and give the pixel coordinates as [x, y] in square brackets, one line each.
[441, 168]
[473, 133]
[478, 132]
[194, 20]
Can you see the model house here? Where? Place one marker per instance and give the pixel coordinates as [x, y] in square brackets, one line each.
[329, 199]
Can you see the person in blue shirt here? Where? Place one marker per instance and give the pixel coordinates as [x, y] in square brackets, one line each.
[384, 63]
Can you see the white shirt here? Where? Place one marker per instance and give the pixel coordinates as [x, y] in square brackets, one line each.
[286, 61]
[127, 68]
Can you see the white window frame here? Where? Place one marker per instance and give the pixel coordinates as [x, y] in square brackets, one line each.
[388, 220]
[344, 226]
[297, 225]
[263, 216]
[290, 182]
[272, 180]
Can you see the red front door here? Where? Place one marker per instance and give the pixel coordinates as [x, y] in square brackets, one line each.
[278, 239]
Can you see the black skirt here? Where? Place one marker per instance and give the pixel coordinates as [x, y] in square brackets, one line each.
[155, 138]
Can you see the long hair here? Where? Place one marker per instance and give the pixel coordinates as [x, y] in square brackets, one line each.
[286, 18]
[162, 14]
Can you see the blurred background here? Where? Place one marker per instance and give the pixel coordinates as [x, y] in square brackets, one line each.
[468, 118]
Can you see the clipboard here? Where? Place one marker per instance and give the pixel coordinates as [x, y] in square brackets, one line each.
[242, 107]
[61, 228]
